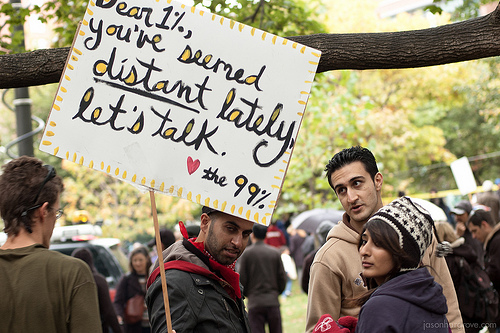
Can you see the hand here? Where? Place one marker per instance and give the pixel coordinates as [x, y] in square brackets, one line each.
[326, 324]
[348, 322]
[460, 229]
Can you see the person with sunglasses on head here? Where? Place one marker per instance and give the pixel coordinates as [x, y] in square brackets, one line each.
[42, 290]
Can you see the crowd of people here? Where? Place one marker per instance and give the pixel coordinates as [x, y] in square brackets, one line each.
[379, 269]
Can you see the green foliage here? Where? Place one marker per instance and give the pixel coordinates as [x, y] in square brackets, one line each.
[14, 18]
[280, 17]
[66, 15]
[283, 17]
[373, 109]
[466, 10]
[63, 14]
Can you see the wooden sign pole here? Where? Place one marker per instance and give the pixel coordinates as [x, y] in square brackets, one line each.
[160, 261]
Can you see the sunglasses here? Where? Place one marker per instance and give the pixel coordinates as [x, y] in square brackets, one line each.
[51, 173]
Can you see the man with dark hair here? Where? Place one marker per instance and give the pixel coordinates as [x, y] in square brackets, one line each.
[41, 290]
[167, 238]
[204, 291]
[485, 230]
[336, 270]
[263, 278]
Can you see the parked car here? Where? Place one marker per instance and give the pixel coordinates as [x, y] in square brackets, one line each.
[109, 260]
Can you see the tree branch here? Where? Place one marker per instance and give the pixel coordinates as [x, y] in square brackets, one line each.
[468, 40]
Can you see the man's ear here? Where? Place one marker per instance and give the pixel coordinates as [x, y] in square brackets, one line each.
[41, 213]
[379, 180]
[205, 222]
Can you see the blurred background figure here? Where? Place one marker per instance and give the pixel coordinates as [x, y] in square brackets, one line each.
[484, 229]
[263, 278]
[109, 320]
[489, 199]
[297, 238]
[461, 213]
[321, 234]
[275, 237]
[283, 222]
[461, 263]
[193, 230]
[290, 269]
[167, 238]
[134, 283]
[497, 183]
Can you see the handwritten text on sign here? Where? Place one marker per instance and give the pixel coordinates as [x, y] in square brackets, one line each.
[182, 101]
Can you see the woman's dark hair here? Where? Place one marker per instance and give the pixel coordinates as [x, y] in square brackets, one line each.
[143, 251]
[383, 236]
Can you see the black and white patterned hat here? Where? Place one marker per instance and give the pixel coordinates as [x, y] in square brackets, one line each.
[414, 226]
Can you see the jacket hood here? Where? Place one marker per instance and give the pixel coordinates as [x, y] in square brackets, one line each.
[418, 288]
[343, 232]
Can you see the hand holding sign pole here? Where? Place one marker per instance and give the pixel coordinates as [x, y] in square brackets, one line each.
[183, 102]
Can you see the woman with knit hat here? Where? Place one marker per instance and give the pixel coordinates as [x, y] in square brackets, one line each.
[402, 296]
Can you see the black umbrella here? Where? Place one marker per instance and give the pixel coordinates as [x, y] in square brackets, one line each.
[310, 219]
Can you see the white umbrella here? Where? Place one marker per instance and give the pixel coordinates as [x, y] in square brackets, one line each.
[436, 212]
[310, 219]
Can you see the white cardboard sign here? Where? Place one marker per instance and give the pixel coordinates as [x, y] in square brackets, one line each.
[182, 101]
[463, 175]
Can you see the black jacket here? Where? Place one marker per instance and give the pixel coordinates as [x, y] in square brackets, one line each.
[198, 303]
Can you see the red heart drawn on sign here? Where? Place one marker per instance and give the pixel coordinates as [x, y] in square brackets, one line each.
[192, 165]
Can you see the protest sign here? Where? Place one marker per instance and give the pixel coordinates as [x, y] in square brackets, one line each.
[184, 102]
[463, 175]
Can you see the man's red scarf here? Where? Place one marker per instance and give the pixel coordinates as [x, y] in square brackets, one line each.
[225, 275]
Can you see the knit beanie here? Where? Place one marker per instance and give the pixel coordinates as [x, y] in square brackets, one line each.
[414, 227]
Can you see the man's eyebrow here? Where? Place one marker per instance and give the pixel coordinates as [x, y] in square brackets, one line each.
[237, 226]
[349, 181]
[234, 224]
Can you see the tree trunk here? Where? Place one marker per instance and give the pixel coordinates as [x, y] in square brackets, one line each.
[468, 40]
